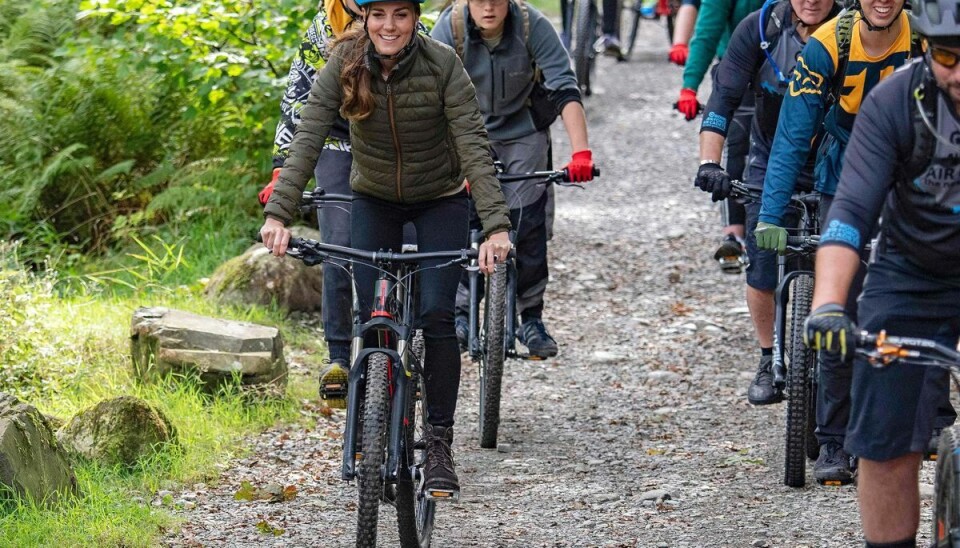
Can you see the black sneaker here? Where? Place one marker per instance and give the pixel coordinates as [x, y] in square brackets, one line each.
[440, 479]
[333, 384]
[462, 327]
[731, 255]
[762, 391]
[539, 343]
[833, 465]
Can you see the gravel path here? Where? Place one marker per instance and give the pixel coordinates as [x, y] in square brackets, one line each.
[638, 433]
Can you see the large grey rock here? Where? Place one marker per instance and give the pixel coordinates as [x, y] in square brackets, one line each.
[32, 462]
[257, 277]
[117, 431]
[165, 341]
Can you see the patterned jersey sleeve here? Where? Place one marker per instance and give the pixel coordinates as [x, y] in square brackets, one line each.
[310, 58]
[801, 117]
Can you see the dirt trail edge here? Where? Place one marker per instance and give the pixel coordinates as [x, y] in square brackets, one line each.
[638, 433]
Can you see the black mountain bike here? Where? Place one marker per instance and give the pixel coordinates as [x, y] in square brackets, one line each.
[383, 446]
[883, 351]
[795, 367]
[492, 338]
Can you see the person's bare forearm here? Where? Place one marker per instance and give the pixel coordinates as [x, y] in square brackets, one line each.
[575, 122]
[836, 267]
[685, 22]
[711, 146]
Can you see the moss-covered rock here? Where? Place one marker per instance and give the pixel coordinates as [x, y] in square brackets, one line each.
[118, 431]
[257, 277]
[32, 462]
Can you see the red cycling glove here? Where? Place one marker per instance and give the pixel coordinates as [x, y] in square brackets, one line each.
[678, 54]
[580, 168]
[688, 104]
[264, 194]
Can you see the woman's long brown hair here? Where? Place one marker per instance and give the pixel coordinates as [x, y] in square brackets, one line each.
[358, 100]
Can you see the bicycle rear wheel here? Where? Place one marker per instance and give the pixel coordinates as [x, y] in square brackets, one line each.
[493, 352]
[584, 40]
[800, 365]
[376, 414]
[634, 29]
[946, 513]
[415, 512]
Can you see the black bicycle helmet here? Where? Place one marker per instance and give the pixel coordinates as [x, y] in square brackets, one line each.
[936, 20]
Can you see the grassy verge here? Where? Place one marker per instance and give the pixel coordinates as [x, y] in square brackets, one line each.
[63, 353]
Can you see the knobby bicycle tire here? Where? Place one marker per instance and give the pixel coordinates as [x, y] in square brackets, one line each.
[376, 414]
[585, 36]
[798, 384]
[946, 513]
[492, 355]
[813, 445]
[415, 512]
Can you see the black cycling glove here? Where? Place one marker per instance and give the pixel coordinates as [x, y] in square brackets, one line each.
[829, 329]
[712, 178]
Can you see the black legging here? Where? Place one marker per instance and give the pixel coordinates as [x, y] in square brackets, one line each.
[611, 16]
[441, 225]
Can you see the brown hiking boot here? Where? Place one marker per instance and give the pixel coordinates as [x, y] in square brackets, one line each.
[440, 478]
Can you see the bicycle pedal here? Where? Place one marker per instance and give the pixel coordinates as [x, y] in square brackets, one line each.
[442, 495]
[834, 483]
[731, 264]
[930, 457]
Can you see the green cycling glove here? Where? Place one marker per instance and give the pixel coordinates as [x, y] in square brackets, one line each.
[771, 237]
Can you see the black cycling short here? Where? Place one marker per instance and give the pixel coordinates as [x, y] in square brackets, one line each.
[895, 409]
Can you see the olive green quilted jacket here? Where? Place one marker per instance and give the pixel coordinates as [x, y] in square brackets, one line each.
[423, 138]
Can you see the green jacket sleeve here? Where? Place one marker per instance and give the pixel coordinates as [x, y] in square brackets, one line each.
[473, 148]
[316, 119]
[712, 22]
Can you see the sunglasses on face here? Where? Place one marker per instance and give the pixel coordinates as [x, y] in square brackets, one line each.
[944, 57]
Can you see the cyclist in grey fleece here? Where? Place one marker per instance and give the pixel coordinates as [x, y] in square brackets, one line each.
[499, 45]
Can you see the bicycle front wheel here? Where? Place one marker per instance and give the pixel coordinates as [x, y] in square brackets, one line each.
[946, 513]
[801, 363]
[493, 352]
[376, 414]
[415, 512]
[584, 39]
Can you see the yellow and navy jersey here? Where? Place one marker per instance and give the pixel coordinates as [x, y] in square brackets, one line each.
[817, 66]
[804, 112]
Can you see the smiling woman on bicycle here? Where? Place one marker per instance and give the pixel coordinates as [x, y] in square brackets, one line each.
[416, 133]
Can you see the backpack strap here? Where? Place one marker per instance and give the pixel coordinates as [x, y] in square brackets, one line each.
[773, 16]
[923, 103]
[844, 36]
[458, 25]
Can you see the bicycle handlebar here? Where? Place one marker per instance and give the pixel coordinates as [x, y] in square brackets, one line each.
[556, 176]
[305, 248]
[882, 350]
[313, 247]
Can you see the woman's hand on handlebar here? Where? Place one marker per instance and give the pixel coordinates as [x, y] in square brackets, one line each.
[494, 250]
[275, 236]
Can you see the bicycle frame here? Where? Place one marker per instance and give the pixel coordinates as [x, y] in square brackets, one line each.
[393, 337]
[808, 206]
